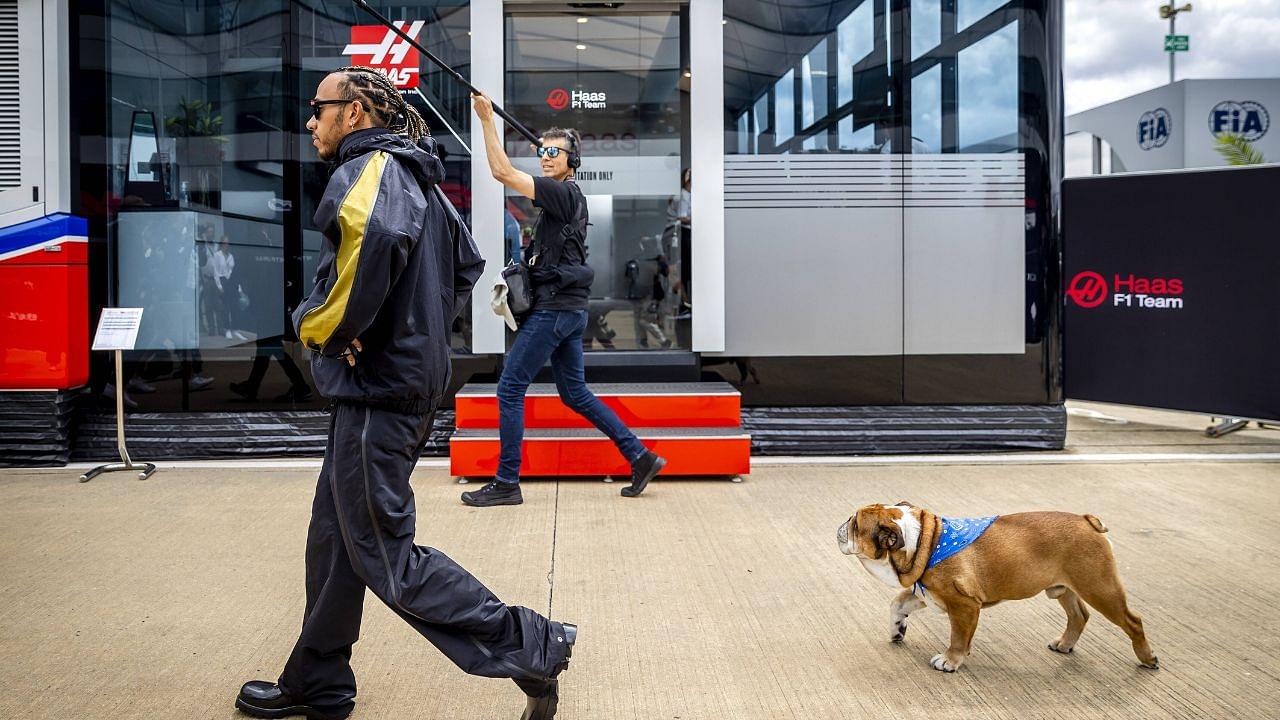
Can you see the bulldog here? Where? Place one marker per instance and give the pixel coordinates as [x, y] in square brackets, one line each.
[963, 566]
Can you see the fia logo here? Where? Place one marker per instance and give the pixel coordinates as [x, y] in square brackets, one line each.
[1247, 118]
[1154, 128]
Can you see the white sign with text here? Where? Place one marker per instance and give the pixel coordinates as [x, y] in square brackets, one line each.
[118, 329]
[621, 176]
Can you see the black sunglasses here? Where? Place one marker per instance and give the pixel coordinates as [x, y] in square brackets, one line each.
[318, 105]
[551, 152]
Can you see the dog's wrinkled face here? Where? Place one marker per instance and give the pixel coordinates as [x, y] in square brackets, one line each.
[871, 532]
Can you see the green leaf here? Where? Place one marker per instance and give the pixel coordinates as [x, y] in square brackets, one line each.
[1238, 151]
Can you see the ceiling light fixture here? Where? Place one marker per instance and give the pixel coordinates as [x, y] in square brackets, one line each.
[581, 47]
[581, 20]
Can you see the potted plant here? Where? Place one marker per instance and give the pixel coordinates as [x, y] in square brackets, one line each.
[196, 130]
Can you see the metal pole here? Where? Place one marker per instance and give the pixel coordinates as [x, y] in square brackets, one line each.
[124, 452]
[1172, 20]
[537, 141]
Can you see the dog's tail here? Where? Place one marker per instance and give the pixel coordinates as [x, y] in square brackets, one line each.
[1096, 523]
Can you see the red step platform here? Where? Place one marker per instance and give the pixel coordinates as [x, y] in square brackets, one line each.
[697, 427]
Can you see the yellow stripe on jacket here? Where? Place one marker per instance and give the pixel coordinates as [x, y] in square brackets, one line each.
[353, 219]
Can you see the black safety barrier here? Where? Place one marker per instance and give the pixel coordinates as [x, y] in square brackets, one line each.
[1172, 290]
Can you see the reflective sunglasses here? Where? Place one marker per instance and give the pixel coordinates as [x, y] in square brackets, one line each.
[318, 105]
[552, 152]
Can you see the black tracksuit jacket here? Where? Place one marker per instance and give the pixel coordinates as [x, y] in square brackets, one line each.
[397, 266]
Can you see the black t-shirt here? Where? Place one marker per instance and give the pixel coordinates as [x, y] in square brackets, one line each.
[562, 205]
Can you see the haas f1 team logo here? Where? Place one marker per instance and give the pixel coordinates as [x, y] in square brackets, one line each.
[558, 99]
[1089, 289]
[378, 47]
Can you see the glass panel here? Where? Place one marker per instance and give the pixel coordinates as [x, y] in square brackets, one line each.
[617, 78]
[970, 11]
[862, 140]
[814, 83]
[926, 26]
[855, 38]
[987, 95]
[212, 232]
[198, 113]
[761, 112]
[784, 108]
[330, 38]
[767, 47]
[926, 111]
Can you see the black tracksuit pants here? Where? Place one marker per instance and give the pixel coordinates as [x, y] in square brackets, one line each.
[361, 535]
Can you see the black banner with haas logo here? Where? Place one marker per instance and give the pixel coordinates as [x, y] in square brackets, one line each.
[1172, 290]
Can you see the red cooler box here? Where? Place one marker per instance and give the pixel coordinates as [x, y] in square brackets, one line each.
[44, 304]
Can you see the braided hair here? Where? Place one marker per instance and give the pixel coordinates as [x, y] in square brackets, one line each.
[384, 103]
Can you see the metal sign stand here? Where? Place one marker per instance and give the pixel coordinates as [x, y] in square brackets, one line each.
[1229, 425]
[145, 469]
[118, 331]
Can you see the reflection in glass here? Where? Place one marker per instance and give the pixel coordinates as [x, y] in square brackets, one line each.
[926, 26]
[855, 38]
[808, 77]
[143, 148]
[784, 108]
[970, 11]
[761, 113]
[987, 95]
[926, 111]
[814, 82]
[863, 140]
[626, 94]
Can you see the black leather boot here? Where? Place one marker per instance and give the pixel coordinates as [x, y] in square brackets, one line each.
[543, 700]
[263, 699]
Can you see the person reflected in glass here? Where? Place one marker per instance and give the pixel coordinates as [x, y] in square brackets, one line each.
[223, 267]
[553, 329]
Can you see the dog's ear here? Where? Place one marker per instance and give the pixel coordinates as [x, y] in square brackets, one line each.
[904, 502]
[888, 538]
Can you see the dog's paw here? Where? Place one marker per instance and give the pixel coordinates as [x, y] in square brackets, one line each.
[940, 662]
[898, 632]
[1152, 664]
[1058, 647]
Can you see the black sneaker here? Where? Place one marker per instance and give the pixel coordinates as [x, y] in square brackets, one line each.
[495, 493]
[642, 471]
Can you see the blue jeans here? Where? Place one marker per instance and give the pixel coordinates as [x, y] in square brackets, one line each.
[557, 335]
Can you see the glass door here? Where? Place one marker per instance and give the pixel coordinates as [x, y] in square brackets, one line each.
[619, 77]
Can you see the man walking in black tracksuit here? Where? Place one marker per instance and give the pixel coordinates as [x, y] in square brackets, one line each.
[397, 266]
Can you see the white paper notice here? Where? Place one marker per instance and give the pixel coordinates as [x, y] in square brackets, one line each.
[118, 329]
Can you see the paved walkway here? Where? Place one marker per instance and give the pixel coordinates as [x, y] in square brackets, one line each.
[702, 599]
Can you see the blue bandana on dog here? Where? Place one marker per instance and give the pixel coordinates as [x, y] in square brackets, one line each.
[957, 534]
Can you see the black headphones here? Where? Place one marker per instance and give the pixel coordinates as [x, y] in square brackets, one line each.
[575, 158]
